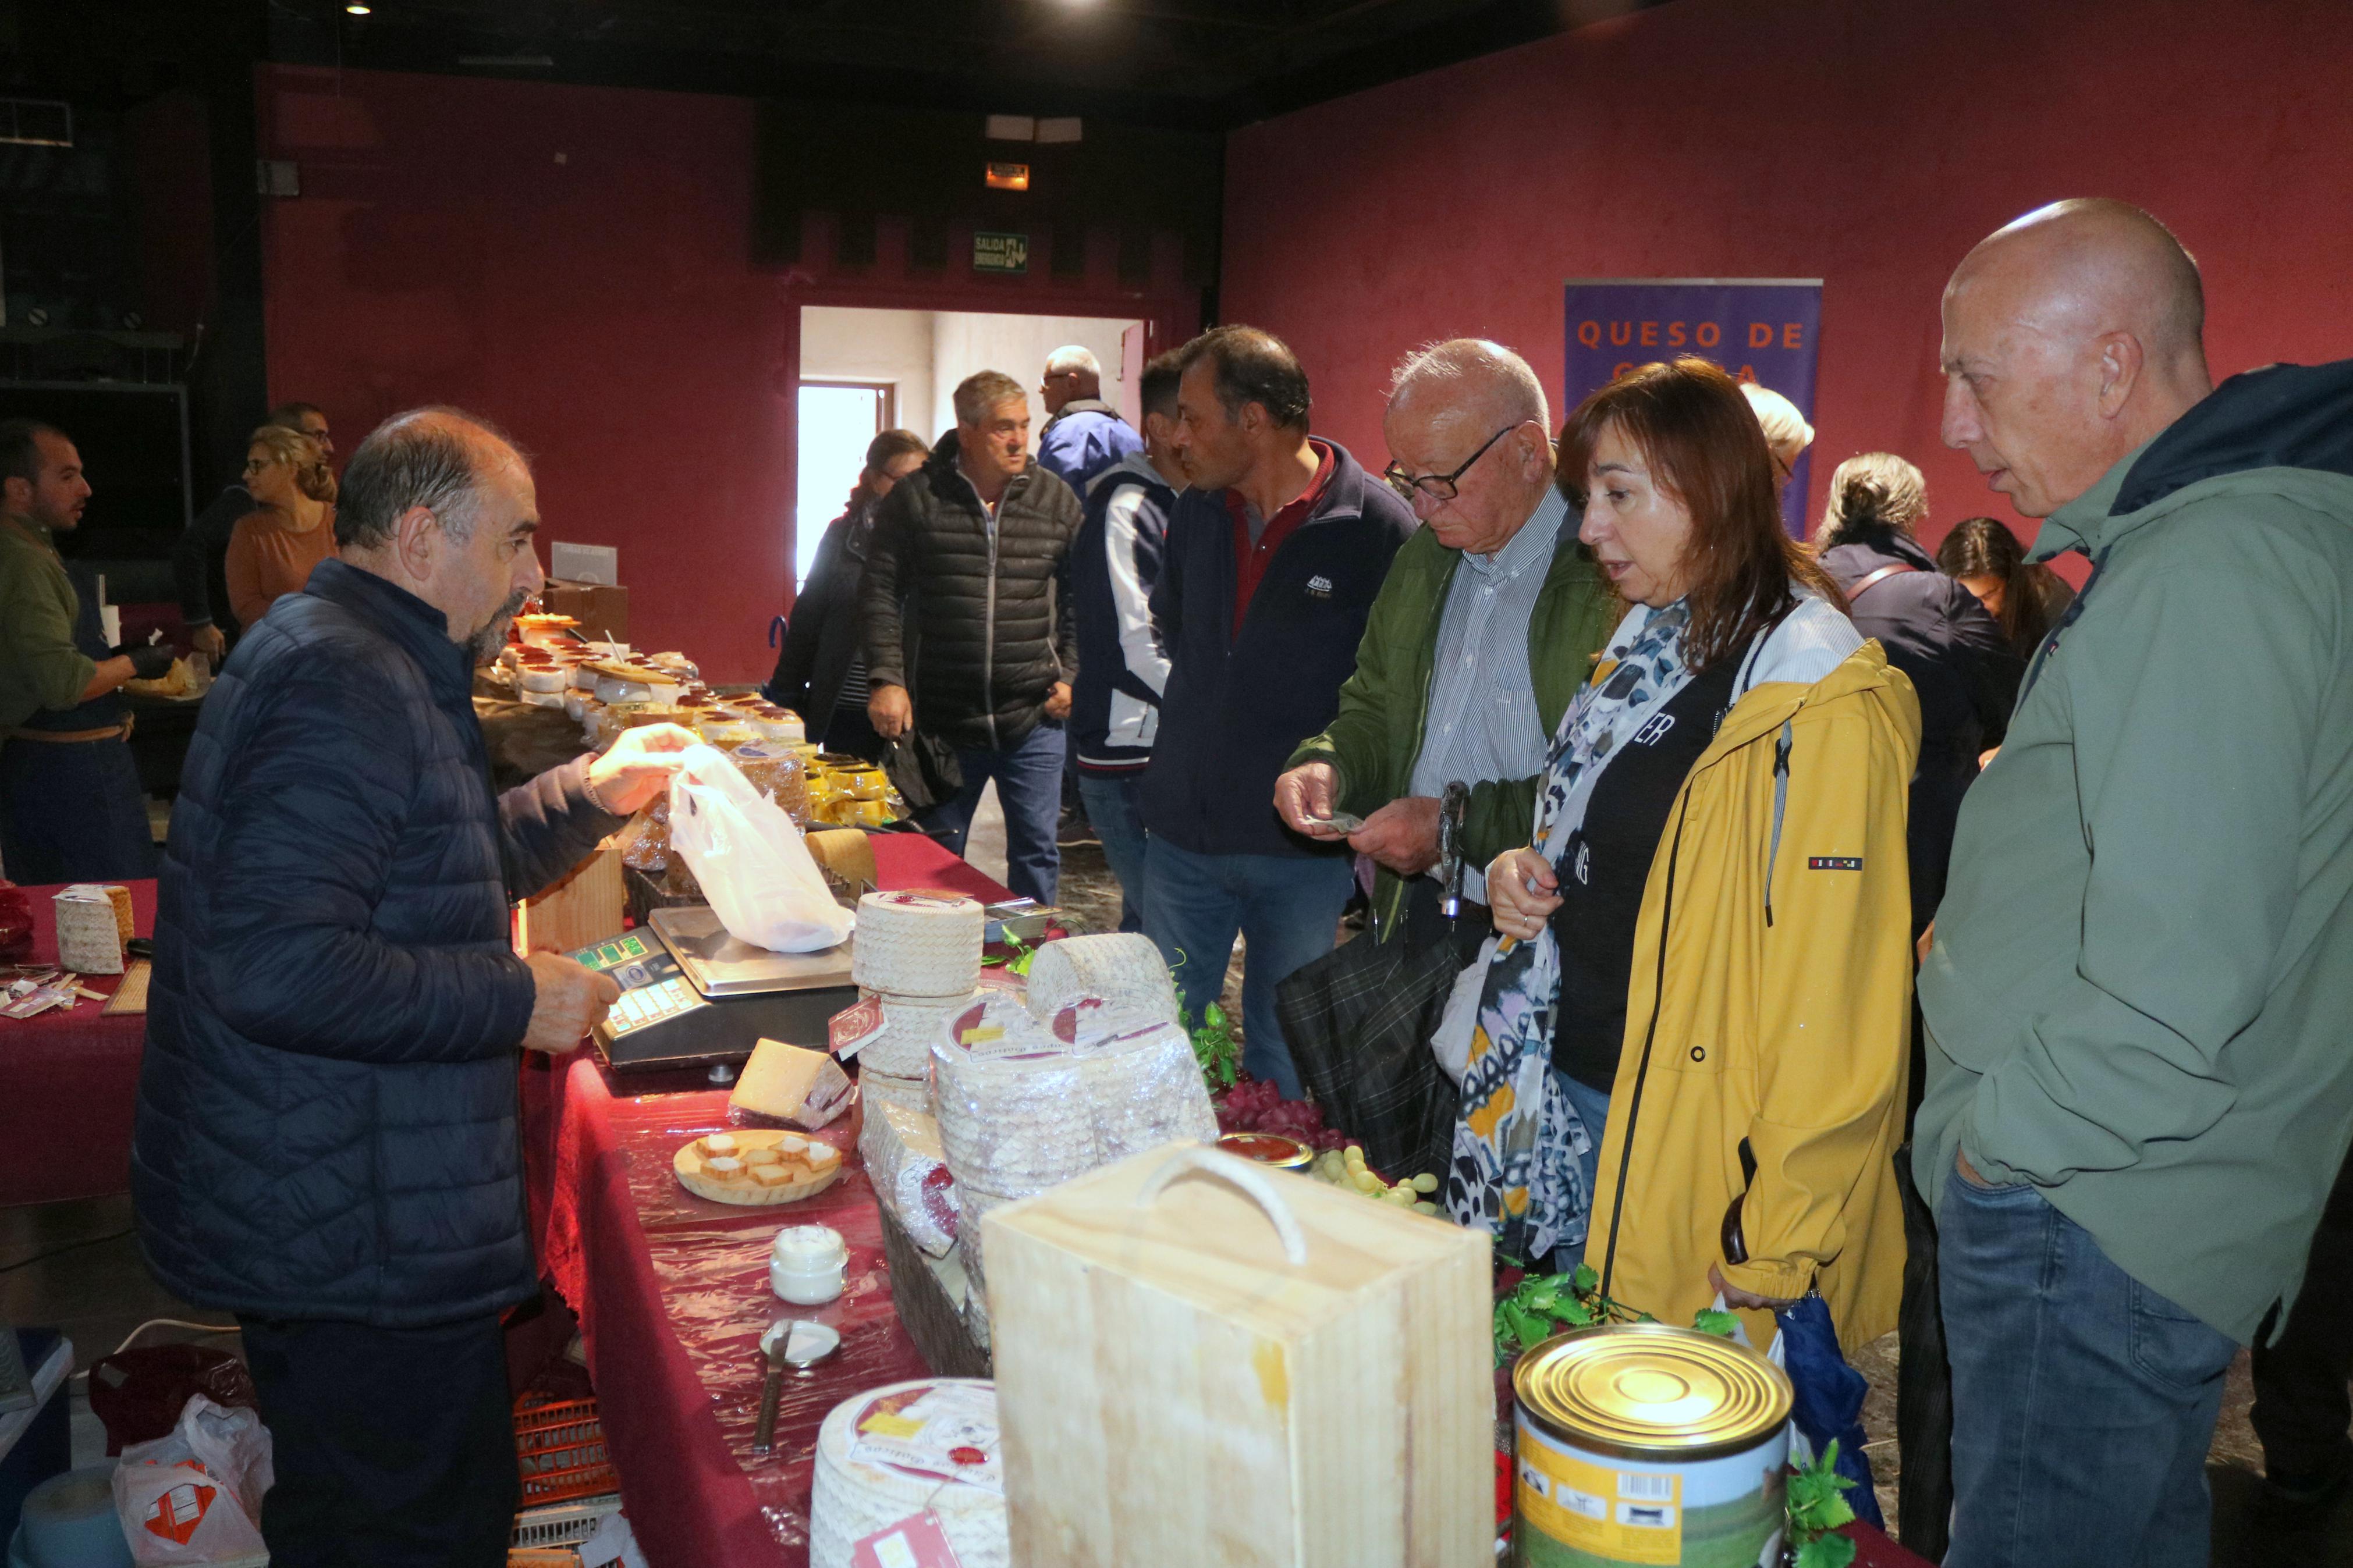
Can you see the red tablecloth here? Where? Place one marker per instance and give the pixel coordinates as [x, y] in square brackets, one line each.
[672, 1291]
[69, 1079]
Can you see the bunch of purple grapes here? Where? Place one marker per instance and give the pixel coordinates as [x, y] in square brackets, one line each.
[1256, 1105]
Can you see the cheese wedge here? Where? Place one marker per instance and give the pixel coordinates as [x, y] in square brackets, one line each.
[788, 1083]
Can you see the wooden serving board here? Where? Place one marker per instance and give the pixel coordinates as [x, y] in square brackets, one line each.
[131, 996]
[744, 1190]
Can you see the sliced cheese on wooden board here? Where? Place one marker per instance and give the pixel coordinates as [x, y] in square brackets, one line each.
[757, 1167]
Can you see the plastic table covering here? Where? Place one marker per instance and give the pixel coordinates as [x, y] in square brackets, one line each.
[672, 1291]
[69, 1079]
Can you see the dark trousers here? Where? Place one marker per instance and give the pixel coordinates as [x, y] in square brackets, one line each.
[2301, 1410]
[1924, 1385]
[72, 811]
[394, 1447]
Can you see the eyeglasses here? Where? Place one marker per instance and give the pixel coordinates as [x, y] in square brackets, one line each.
[1442, 486]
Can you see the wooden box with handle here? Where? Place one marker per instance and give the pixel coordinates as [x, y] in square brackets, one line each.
[1202, 1359]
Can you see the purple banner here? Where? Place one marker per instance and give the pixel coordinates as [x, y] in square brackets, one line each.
[1761, 330]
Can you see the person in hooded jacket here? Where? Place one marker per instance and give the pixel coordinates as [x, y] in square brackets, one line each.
[820, 671]
[1122, 666]
[1702, 969]
[2139, 1094]
[1933, 630]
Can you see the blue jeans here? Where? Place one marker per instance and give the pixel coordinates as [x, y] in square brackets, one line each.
[1287, 912]
[2083, 1400]
[1110, 800]
[1030, 787]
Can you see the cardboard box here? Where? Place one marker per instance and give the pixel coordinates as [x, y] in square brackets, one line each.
[602, 610]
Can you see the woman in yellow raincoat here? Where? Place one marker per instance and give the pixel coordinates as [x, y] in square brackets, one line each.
[1690, 1045]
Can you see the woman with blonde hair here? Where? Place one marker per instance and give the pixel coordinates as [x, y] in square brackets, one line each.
[291, 527]
[1934, 631]
[1701, 968]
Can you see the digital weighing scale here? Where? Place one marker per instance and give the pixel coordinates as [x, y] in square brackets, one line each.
[693, 994]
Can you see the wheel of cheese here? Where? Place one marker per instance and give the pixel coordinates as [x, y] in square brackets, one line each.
[914, 943]
[1123, 969]
[910, 1025]
[1020, 1122]
[851, 1498]
[971, 1204]
[912, 1092]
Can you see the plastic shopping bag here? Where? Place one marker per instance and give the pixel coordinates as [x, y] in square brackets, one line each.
[750, 859]
[194, 1495]
[1828, 1403]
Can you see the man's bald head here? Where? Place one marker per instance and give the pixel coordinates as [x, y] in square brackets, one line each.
[433, 458]
[1472, 381]
[2071, 335]
[1474, 410]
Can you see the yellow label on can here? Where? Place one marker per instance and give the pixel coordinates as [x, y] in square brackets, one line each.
[1617, 1515]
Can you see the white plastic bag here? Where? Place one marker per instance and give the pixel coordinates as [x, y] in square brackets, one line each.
[750, 859]
[194, 1495]
[1452, 1041]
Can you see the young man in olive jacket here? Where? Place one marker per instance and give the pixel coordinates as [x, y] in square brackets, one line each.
[2138, 1088]
[1274, 557]
[980, 535]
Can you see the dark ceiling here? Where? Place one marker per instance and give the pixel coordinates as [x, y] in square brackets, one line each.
[1210, 64]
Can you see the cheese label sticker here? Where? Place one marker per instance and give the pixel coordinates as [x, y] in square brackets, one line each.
[883, 1424]
[982, 1036]
[919, 1541]
[854, 1028]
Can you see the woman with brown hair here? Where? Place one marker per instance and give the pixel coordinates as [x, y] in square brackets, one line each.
[2025, 598]
[291, 527]
[820, 671]
[1689, 1046]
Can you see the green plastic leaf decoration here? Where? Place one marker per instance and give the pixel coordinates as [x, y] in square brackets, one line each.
[1587, 1279]
[1723, 1325]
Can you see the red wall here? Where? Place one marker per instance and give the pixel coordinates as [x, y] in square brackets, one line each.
[1864, 143]
[572, 264]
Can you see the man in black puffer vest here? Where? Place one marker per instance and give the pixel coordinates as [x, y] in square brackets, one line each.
[981, 537]
[327, 1142]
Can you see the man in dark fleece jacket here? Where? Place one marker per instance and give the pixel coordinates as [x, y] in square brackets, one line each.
[327, 1142]
[1274, 557]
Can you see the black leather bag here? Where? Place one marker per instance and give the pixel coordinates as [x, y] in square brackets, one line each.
[924, 770]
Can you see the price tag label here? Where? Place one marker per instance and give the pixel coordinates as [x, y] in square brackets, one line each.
[852, 1029]
[916, 1542]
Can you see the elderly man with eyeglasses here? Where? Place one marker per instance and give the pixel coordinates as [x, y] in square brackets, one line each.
[1485, 627]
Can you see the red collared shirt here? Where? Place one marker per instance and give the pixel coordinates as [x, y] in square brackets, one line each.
[1251, 560]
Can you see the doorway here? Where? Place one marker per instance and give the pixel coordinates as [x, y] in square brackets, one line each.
[865, 371]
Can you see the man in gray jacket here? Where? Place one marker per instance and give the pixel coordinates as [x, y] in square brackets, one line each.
[2138, 1088]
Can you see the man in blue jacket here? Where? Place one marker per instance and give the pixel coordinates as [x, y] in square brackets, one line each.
[1122, 669]
[1274, 558]
[327, 1142]
[1083, 435]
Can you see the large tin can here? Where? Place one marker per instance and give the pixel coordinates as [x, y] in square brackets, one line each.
[1644, 1444]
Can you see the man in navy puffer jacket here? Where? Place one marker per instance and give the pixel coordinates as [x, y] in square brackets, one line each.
[327, 1140]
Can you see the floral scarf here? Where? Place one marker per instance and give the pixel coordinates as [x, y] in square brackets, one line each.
[1516, 1146]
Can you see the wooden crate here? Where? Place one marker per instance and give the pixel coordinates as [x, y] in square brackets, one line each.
[583, 909]
[1179, 1384]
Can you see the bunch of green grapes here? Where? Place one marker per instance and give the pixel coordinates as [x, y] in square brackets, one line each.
[1346, 1168]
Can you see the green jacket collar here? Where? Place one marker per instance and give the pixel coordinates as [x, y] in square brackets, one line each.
[2084, 523]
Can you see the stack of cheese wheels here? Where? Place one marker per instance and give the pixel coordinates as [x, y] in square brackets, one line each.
[903, 1049]
[918, 953]
[1123, 969]
[916, 943]
[856, 1493]
[1024, 1104]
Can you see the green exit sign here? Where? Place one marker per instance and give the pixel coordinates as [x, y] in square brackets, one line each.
[1000, 252]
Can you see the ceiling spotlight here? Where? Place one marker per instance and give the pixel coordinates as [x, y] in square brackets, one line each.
[355, 9]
